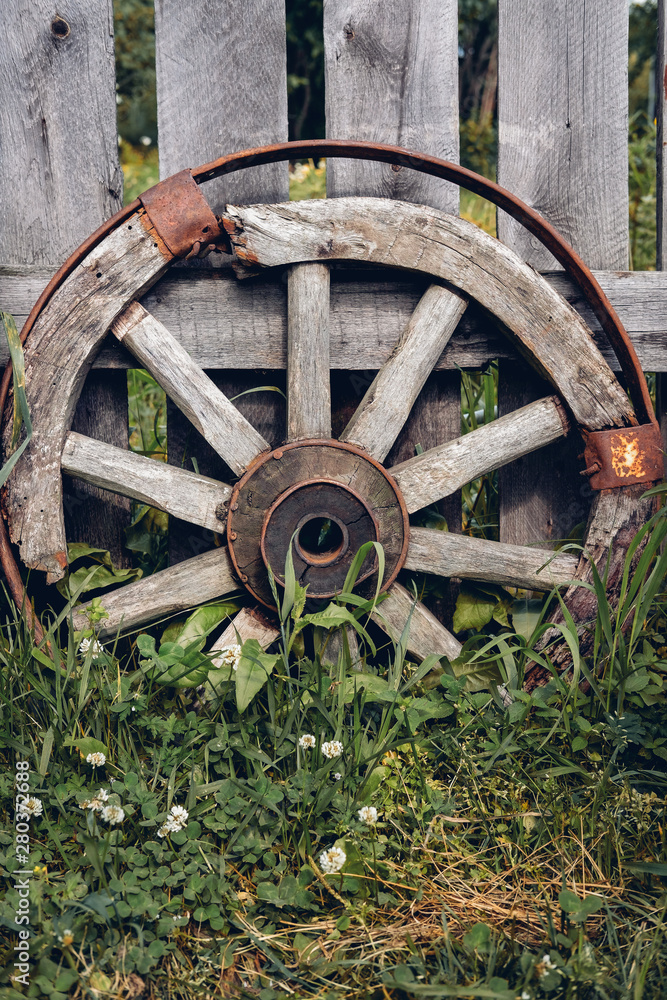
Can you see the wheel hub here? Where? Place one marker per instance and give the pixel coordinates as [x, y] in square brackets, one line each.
[328, 499]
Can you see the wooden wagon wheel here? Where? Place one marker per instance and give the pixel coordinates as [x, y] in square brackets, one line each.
[282, 492]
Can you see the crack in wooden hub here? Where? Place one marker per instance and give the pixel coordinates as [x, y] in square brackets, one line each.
[328, 499]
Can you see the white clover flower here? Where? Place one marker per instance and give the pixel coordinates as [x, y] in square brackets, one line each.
[337, 776]
[31, 807]
[525, 995]
[230, 657]
[95, 644]
[307, 741]
[102, 795]
[96, 759]
[113, 815]
[66, 938]
[179, 815]
[332, 861]
[145, 140]
[170, 825]
[331, 749]
[368, 815]
[547, 965]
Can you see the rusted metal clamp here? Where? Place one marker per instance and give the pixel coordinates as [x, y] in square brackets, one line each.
[624, 456]
[182, 217]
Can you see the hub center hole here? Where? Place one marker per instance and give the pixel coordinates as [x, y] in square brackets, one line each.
[321, 539]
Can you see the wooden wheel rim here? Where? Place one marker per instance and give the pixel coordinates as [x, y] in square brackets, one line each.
[152, 258]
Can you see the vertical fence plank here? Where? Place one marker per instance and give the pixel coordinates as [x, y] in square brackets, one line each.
[59, 179]
[661, 185]
[562, 147]
[221, 87]
[391, 72]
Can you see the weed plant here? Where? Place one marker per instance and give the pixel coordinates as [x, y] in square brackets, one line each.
[298, 822]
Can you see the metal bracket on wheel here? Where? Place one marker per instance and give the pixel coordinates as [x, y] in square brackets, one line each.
[624, 456]
[181, 215]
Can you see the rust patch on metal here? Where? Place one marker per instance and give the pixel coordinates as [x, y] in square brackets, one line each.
[181, 215]
[624, 456]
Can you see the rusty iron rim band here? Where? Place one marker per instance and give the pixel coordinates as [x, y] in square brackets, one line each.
[318, 442]
[399, 156]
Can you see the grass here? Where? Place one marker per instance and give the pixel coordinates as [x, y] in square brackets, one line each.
[519, 847]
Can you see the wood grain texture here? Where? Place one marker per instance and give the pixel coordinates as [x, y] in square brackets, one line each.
[562, 124]
[545, 328]
[542, 496]
[335, 647]
[199, 51]
[208, 409]
[95, 515]
[249, 623]
[447, 555]
[387, 404]
[616, 516]
[308, 383]
[224, 323]
[391, 73]
[60, 176]
[426, 634]
[184, 494]
[264, 410]
[439, 471]
[562, 148]
[58, 355]
[169, 592]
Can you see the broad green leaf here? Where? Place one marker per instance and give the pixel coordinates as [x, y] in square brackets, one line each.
[202, 622]
[375, 688]
[87, 745]
[252, 673]
[473, 610]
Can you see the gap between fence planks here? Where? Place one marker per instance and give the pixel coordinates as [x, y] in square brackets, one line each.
[184, 494]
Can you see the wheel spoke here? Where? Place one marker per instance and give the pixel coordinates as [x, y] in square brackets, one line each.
[426, 634]
[208, 409]
[447, 554]
[308, 385]
[184, 494]
[169, 592]
[386, 406]
[440, 471]
[248, 624]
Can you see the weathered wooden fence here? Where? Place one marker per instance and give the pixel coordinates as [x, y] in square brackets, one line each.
[391, 76]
